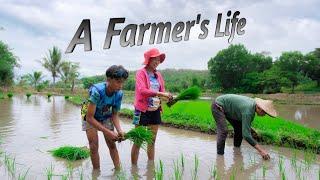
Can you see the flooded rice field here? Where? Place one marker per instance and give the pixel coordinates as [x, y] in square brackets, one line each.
[29, 128]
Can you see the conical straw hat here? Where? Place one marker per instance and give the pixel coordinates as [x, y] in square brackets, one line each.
[266, 106]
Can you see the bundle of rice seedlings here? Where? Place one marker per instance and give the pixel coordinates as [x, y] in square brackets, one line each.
[141, 136]
[10, 95]
[71, 153]
[28, 95]
[191, 93]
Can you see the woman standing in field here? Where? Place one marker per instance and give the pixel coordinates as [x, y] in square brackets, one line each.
[149, 89]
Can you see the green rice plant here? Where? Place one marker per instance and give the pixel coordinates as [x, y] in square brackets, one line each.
[233, 174]
[10, 94]
[71, 153]
[214, 172]
[28, 95]
[10, 164]
[191, 93]
[182, 159]
[194, 172]
[121, 175]
[158, 172]
[141, 136]
[24, 175]
[49, 172]
[309, 158]
[64, 177]
[1, 95]
[264, 170]
[280, 164]
[66, 97]
[177, 170]
[293, 159]
[283, 175]
[69, 170]
[49, 95]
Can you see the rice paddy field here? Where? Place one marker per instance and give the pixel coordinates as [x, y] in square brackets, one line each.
[30, 128]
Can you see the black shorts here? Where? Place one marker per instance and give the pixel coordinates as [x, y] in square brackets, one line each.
[147, 118]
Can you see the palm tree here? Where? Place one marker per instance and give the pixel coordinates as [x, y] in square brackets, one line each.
[35, 78]
[52, 62]
[69, 72]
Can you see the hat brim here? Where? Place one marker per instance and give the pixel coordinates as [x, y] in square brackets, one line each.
[270, 111]
[161, 55]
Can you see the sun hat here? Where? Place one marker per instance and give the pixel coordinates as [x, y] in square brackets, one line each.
[266, 106]
[153, 52]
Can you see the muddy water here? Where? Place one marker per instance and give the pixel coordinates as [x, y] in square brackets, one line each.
[30, 128]
[308, 115]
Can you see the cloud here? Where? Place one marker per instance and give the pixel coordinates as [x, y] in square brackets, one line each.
[33, 27]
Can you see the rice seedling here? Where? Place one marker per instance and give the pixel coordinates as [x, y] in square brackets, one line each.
[214, 171]
[283, 175]
[294, 159]
[10, 164]
[121, 175]
[158, 172]
[194, 172]
[280, 164]
[191, 93]
[81, 174]
[69, 170]
[24, 175]
[71, 153]
[309, 158]
[177, 170]
[182, 161]
[264, 170]
[28, 95]
[49, 172]
[141, 136]
[10, 94]
[49, 95]
[66, 97]
[319, 173]
[233, 174]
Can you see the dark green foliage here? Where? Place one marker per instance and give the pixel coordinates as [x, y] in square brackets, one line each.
[66, 97]
[141, 136]
[7, 63]
[290, 65]
[49, 95]
[71, 153]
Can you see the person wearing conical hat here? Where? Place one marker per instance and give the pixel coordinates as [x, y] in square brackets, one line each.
[239, 111]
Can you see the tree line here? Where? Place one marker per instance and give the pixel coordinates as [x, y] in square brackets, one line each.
[235, 69]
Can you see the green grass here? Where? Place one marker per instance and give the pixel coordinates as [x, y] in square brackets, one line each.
[71, 153]
[277, 131]
[140, 136]
[76, 100]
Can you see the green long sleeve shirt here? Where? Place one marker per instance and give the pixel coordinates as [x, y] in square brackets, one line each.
[239, 108]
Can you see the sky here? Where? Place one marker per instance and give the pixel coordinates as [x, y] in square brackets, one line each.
[32, 27]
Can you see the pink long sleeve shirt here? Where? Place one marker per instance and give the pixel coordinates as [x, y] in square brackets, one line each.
[143, 91]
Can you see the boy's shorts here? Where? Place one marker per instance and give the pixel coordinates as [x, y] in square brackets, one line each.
[106, 123]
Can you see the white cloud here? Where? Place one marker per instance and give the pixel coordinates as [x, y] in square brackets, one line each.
[32, 27]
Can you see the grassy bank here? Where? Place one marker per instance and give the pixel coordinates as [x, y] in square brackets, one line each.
[196, 115]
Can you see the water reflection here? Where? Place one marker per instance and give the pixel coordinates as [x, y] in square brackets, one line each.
[23, 123]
